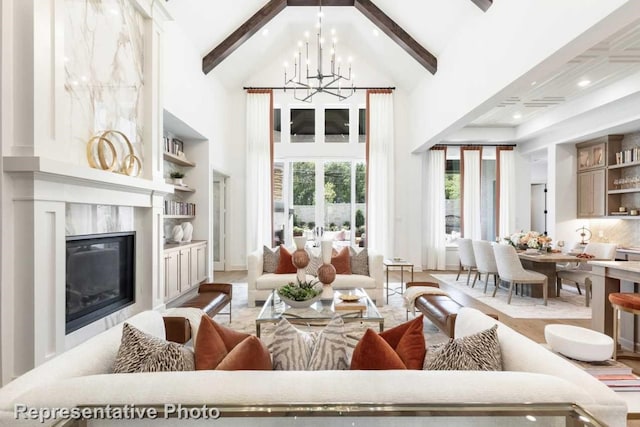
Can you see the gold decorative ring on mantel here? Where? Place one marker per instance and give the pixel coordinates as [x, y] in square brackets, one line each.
[131, 164]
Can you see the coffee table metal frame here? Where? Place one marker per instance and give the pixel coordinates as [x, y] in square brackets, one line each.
[320, 312]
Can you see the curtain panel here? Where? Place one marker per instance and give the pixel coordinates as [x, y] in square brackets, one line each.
[506, 177]
[259, 186]
[380, 172]
[470, 163]
[434, 209]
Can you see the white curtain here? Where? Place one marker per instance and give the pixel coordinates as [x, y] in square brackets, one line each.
[507, 203]
[434, 249]
[258, 190]
[471, 194]
[380, 197]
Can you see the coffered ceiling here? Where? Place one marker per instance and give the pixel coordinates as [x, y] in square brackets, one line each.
[605, 63]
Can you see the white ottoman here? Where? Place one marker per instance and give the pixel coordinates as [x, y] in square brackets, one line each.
[579, 343]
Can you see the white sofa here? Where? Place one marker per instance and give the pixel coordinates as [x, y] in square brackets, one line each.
[81, 377]
[261, 284]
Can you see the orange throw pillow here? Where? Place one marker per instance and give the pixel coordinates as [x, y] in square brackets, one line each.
[285, 264]
[342, 261]
[405, 341]
[250, 354]
[209, 346]
[373, 352]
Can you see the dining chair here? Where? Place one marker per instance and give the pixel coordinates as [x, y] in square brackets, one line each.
[510, 270]
[580, 273]
[485, 261]
[467, 260]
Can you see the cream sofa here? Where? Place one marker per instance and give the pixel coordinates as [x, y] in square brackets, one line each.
[81, 377]
[261, 284]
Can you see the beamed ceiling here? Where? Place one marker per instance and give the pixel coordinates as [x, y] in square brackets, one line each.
[366, 7]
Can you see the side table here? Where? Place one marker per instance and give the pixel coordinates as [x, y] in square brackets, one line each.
[401, 264]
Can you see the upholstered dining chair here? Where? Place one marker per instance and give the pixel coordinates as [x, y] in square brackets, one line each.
[485, 261]
[467, 260]
[580, 273]
[510, 270]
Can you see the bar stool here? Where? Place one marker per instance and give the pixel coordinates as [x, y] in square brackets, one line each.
[629, 303]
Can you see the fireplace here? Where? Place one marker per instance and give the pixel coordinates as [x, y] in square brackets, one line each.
[100, 276]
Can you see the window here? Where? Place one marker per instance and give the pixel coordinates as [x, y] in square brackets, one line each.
[337, 196]
[336, 125]
[277, 125]
[303, 125]
[304, 194]
[362, 125]
[488, 199]
[452, 196]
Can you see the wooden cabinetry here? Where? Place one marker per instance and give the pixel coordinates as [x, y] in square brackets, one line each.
[185, 267]
[591, 194]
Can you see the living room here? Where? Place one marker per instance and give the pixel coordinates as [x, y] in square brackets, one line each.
[66, 80]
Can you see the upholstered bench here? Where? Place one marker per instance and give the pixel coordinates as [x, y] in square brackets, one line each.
[441, 310]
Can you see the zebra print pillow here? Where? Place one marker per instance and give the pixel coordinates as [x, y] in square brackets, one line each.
[292, 349]
[140, 352]
[315, 261]
[477, 352]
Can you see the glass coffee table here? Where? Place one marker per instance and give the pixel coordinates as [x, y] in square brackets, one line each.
[321, 312]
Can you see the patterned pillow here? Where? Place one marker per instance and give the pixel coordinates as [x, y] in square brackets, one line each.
[477, 352]
[292, 349]
[330, 352]
[140, 352]
[270, 259]
[359, 261]
[315, 261]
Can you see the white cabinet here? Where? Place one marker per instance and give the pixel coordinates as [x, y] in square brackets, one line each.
[171, 275]
[185, 266]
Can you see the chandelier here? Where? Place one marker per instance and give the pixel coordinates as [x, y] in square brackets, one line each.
[304, 87]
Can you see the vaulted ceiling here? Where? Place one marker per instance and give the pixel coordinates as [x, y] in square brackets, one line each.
[435, 25]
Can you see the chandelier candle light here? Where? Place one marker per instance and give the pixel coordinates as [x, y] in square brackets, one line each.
[324, 81]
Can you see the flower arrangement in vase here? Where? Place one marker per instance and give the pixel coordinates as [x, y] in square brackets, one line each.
[529, 240]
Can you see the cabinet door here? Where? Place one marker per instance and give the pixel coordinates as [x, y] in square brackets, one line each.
[171, 273]
[185, 269]
[591, 193]
[194, 266]
[202, 263]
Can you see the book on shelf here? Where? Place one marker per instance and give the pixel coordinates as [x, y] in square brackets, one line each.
[625, 380]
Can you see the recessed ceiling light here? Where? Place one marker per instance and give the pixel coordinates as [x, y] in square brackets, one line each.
[584, 83]
[265, 32]
[375, 32]
[517, 116]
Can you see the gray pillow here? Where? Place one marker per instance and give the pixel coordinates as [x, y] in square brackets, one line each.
[359, 262]
[315, 261]
[291, 348]
[477, 352]
[140, 352]
[270, 259]
[331, 350]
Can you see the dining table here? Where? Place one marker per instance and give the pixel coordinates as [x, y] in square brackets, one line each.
[545, 263]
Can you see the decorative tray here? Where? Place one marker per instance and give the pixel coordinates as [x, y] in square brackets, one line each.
[349, 297]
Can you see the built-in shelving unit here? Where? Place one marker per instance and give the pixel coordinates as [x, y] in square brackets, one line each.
[186, 264]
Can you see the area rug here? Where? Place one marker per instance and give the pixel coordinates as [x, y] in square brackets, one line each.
[570, 305]
[243, 319]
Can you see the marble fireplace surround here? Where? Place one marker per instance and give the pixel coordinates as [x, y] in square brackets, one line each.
[41, 191]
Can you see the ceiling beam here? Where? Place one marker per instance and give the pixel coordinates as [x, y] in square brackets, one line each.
[242, 34]
[483, 4]
[398, 35]
[366, 7]
[317, 2]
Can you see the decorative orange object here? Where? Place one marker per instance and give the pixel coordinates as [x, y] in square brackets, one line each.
[300, 258]
[326, 274]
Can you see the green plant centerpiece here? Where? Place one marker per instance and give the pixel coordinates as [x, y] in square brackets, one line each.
[301, 294]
